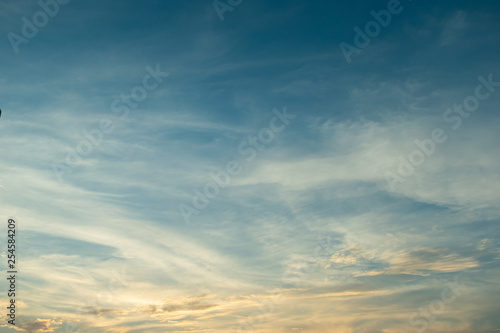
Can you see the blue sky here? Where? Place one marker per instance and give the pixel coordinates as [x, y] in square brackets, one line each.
[308, 234]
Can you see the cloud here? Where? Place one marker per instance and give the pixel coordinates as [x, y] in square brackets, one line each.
[430, 260]
[190, 304]
[40, 325]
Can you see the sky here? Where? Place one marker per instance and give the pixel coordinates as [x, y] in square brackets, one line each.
[251, 166]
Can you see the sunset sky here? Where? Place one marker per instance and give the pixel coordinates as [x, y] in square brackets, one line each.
[180, 166]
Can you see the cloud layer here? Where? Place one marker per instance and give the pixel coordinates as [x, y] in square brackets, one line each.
[309, 236]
